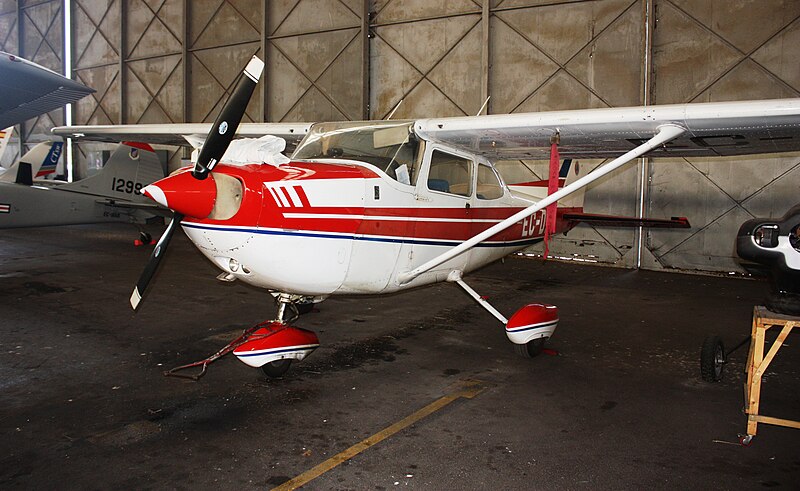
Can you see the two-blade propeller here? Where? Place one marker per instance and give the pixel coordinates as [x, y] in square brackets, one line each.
[217, 142]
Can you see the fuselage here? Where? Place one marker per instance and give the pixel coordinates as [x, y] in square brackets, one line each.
[45, 205]
[111, 195]
[335, 226]
[357, 205]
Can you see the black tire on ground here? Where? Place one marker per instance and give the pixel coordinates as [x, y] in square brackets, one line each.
[531, 349]
[145, 237]
[712, 359]
[275, 369]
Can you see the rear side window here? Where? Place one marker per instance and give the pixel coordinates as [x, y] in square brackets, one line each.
[489, 186]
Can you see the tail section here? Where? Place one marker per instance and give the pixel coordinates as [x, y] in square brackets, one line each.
[571, 171]
[47, 165]
[131, 167]
[41, 159]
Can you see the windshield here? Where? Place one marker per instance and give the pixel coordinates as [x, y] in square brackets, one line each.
[388, 145]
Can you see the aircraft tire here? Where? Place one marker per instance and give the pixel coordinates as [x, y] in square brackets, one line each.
[275, 369]
[712, 359]
[531, 349]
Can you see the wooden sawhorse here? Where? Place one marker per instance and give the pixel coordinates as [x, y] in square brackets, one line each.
[757, 364]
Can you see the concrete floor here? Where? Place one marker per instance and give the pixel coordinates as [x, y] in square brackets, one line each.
[621, 405]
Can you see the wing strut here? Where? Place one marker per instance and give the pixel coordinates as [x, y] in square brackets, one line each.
[665, 134]
[455, 277]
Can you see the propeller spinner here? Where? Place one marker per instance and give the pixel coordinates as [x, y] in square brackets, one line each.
[214, 148]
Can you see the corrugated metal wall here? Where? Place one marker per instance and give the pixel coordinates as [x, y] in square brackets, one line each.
[718, 51]
[174, 60]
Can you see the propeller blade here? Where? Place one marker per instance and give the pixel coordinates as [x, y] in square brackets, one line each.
[155, 259]
[214, 148]
[228, 120]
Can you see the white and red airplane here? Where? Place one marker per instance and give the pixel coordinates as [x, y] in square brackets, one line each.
[380, 207]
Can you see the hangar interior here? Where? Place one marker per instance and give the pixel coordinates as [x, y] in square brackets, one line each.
[617, 402]
[174, 61]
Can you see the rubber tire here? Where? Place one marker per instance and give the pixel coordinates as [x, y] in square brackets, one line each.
[712, 359]
[275, 369]
[145, 237]
[531, 349]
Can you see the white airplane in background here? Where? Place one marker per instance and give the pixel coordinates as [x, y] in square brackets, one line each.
[111, 195]
[114, 194]
[385, 206]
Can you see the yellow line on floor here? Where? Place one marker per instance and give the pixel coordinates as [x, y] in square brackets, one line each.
[468, 391]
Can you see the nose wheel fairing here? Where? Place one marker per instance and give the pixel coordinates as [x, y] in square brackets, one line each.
[276, 341]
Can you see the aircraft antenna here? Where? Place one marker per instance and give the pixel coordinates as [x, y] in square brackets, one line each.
[394, 110]
[485, 103]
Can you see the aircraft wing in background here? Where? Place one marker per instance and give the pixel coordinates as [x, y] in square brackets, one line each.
[28, 90]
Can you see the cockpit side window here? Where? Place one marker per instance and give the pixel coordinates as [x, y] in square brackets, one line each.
[489, 186]
[450, 174]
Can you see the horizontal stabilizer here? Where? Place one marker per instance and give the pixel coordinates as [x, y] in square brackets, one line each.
[619, 221]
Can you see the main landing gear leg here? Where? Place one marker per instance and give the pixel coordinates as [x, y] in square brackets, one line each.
[529, 328]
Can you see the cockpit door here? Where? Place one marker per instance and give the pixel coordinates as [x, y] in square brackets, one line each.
[444, 194]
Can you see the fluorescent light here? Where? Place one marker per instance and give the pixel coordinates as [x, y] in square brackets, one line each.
[67, 7]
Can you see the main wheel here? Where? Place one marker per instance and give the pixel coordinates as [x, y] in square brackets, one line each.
[275, 369]
[712, 359]
[531, 348]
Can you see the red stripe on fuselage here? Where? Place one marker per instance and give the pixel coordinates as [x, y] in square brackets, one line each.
[288, 197]
[303, 197]
[454, 224]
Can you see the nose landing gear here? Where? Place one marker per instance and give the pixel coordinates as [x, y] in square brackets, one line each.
[274, 345]
[270, 346]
